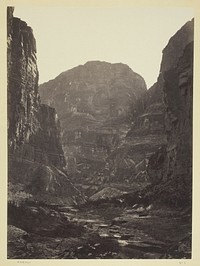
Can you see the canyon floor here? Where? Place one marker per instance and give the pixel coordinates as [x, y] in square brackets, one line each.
[101, 230]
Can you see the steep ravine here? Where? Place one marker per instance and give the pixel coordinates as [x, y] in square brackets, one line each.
[48, 217]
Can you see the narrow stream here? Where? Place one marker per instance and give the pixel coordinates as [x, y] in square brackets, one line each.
[104, 231]
[119, 236]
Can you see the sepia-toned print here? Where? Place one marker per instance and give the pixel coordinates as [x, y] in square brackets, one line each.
[100, 152]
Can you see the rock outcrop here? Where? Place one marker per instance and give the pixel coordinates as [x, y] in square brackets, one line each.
[162, 119]
[170, 168]
[97, 88]
[107, 193]
[23, 97]
[94, 103]
[36, 158]
[146, 135]
[114, 130]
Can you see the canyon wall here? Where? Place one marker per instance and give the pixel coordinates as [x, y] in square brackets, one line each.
[94, 102]
[35, 154]
[170, 168]
[23, 98]
[116, 131]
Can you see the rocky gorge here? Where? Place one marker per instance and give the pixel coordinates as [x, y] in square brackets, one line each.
[36, 157]
[94, 103]
[95, 160]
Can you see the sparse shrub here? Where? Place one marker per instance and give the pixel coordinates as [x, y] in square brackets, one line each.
[16, 194]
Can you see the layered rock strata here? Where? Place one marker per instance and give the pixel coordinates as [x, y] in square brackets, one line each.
[155, 113]
[94, 103]
[175, 160]
[36, 158]
[170, 168]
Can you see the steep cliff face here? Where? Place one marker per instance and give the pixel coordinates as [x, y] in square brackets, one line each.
[145, 136]
[94, 103]
[171, 55]
[177, 43]
[36, 158]
[23, 98]
[100, 89]
[171, 166]
[155, 112]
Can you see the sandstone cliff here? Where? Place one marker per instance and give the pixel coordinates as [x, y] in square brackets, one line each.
[152, 114]
[170, 168]
[23, 98]
[114, 130]
[94, 103]
[36, 158]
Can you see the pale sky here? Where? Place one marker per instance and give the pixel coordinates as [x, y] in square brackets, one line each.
[69, 36]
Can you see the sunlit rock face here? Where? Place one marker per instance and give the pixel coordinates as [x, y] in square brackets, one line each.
[36, 158]
[97, 88]
[94, 103]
